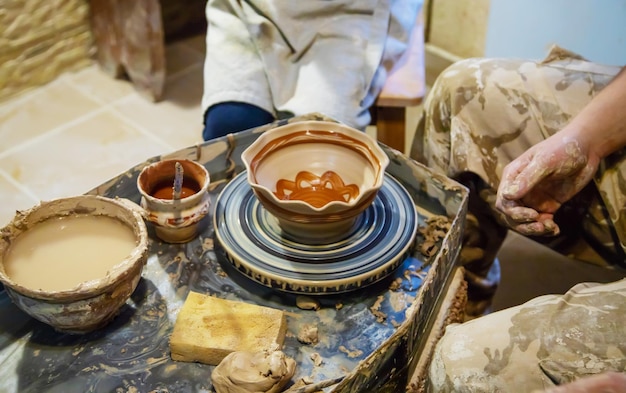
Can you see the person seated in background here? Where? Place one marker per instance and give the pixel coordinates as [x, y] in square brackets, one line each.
[541, 146]
[273, 59]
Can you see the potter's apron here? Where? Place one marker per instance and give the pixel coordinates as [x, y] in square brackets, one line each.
[292, 57]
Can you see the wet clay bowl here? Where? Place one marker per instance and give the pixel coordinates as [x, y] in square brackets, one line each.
[175, 220]
[73, 262]
[315, 177]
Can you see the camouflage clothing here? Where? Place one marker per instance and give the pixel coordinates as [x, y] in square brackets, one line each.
[549, 340]
[483, 113]
[480, 115]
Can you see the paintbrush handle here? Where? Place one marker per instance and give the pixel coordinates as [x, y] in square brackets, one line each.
[178, 180]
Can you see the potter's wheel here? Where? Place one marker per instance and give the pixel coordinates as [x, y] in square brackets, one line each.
[255, 244]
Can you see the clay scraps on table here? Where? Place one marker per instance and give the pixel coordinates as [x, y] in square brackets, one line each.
[375, 310]
[308, 335]
[307, 303]
[433, 233]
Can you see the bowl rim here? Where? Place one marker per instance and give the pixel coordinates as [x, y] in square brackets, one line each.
[86, 289]
[319, 125]
[146, 194]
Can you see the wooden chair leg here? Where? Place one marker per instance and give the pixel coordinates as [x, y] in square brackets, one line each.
[390, 126]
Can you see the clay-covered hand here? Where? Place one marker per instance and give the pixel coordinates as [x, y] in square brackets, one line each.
[538, 182]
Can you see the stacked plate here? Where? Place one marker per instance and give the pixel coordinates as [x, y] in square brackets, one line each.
[374, 246]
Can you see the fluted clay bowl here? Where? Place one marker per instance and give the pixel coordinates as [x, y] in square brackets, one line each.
[315, 177]
[73, 262]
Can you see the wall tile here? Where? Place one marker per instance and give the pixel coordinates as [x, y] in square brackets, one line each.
[459, 27]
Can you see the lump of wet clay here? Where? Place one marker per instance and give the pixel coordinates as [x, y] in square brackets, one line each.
[253, 372]
[307, 303]
[308, 335]
[208, 328]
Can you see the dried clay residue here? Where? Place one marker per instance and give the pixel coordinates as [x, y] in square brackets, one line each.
[308, 334]
[396, 284]
[435, 230]
[351, 353]
[302, 382]
[375, 310]
[307, 303]
[317, 359]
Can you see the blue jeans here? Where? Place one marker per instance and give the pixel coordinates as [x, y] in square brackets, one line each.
[230, 117]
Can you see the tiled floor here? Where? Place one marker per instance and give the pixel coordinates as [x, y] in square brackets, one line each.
[84, 128]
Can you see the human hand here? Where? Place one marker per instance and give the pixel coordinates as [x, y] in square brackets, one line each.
[537, 183]
[610, 382]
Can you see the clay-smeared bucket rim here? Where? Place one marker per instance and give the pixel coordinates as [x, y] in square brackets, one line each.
[122, 210]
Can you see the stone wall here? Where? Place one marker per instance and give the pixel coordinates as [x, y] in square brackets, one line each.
[454, 30]
[459, 27]
[39, 40]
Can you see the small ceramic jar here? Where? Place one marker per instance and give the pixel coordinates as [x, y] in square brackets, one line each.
[176, 219]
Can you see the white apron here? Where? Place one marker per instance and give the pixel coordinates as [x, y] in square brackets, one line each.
[292, 57]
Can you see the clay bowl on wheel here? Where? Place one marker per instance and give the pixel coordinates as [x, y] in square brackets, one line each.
[315, 177]
[73, 262]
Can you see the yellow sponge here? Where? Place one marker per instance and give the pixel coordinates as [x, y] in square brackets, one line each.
[209, 328]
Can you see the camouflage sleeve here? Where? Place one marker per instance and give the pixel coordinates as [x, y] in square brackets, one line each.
[483, 113]
[551, 340]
